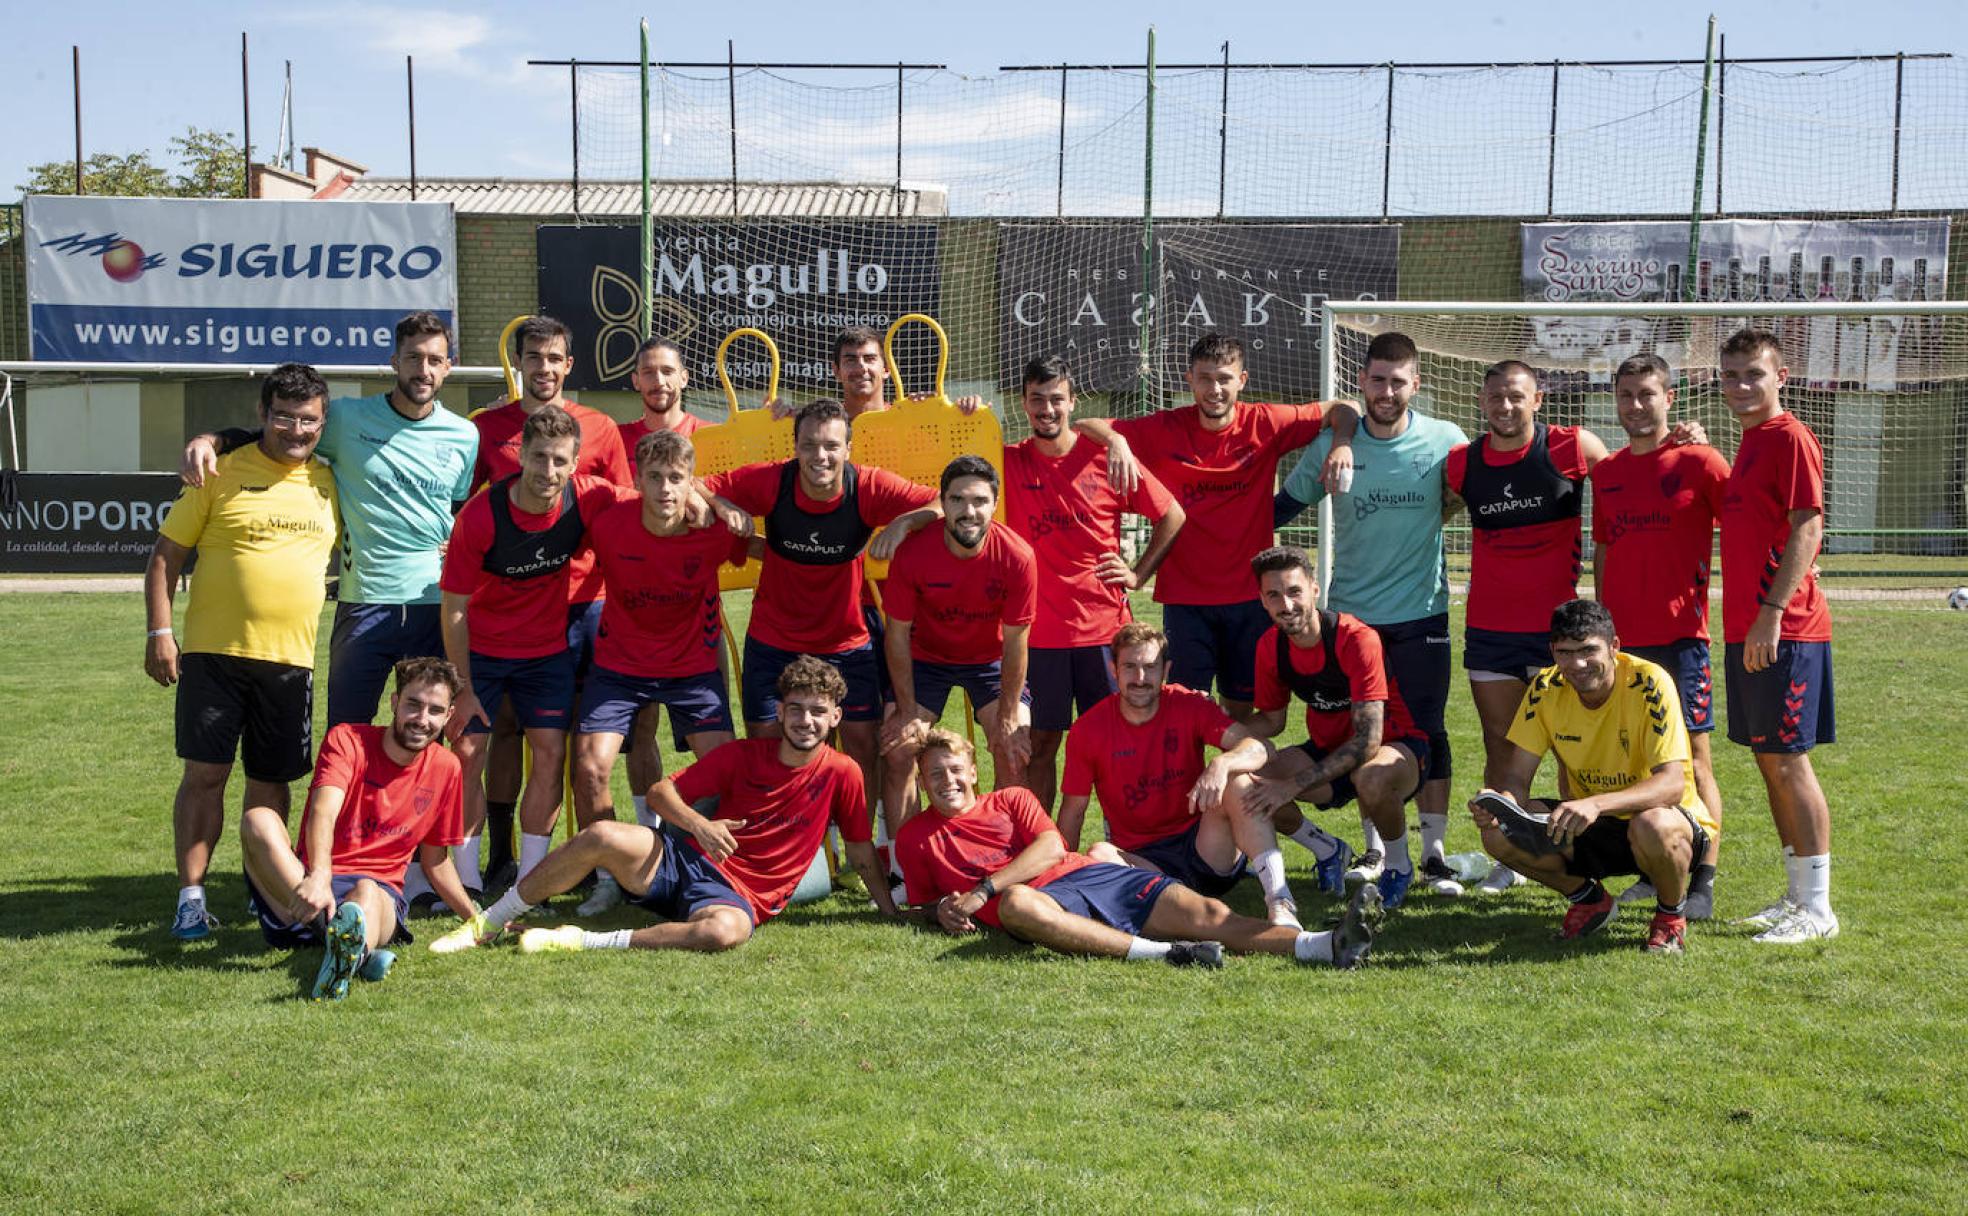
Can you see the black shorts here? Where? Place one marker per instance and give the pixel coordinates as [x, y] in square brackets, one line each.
[1417, 654]
[1604, 849]
[262, 710]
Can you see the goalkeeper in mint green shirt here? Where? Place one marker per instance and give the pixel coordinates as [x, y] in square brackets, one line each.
[1388, 568]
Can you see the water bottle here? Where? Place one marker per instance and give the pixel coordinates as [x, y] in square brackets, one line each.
[1470, 867]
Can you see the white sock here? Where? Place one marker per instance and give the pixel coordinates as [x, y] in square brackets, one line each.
[644, 816]
[1434, 833]
[1270, 869]
[414, 882]
[531, 849]
[1141, 949]
[1810, 883]
[1319, 841]
[1397, 855]
[615, 939]
[1314, 947]
[508, 907]
[1370, 836]
[466, 858]
[194, 891]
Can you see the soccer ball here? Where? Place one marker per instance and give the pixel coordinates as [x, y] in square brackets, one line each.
[1958, 599]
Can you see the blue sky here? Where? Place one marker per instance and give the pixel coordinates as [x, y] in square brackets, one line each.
[149, 70]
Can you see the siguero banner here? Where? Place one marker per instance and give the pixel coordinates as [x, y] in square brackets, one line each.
[82, 523]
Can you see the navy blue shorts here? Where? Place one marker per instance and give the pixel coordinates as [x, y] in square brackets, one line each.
[1121, 897]
[583, 628]
[366, 645]
[1215, 643]
[983, 681]
[1343, 790]
[1786, 707]
[1517, 655]
[1686, 663]
[877, 637]
[1418, 658]
[611, 700]
[685, 881]
[542, 690]
[763, 663]
[1061, 678]
[261, 709]
[1176, 856]
[283, 936]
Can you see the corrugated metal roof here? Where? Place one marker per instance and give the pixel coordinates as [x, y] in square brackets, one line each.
[707, 199]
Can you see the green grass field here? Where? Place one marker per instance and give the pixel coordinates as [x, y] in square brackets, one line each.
[838, 1063]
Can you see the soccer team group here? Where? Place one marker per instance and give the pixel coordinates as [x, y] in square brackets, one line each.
[538, 578]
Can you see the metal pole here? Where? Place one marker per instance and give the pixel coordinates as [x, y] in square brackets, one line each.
[410, 84]
[1059, 206]
[1150, 287]
[1328, 390]
[731, 98]
[246, 120]
[1223, 135]
[1551, 148]
[1721, 113]
[648, 224]
[574, 129]
[1387, 147]
[898, 139]
[1899, 85]
[1701, 166]
[75, 57]
[287, 111]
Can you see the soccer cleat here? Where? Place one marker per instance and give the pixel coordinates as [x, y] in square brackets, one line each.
[1282, 912]
[344, 944]
[1644, 889]
[1798, 927]
[1527, 830]
[1440, 878]
[193, 922]
[1207, 955]
[475, 932]
[1331, 872]
[1583, 920]
[1393, 886]
[1668, 934]
[1365, 869]
[607, 894]
[377, 965]
[1353, 939]
[1768, 917]
[1500, 879]
[561, 940]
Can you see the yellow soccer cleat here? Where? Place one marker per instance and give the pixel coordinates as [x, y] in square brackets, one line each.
[469, 934]
[550, 941]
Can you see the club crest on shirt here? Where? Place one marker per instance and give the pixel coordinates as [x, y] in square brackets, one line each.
[1670, 483]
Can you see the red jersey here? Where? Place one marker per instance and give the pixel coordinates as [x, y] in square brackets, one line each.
[1362, 675]
[1517, 575]
[782, 813]
[1144, 773]
[1224, 480]
[660, 619]
[601, 455]
[948, 854]
[807, 607]
[958, 607]
[388, 809]
[518, 618]
[1779, 469]
[1066, 509]
[632, 433]
[1653, 519]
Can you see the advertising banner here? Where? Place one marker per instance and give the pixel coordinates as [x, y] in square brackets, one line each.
[1074, 290]
[168, 280]
[82, 523]
[800, 283]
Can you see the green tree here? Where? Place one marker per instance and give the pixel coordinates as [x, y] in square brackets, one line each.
[213, 166]
[210, 165]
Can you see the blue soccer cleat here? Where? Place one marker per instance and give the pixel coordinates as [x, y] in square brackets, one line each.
[377, 965]
[1393, 886]
[344, 944]
[1331, 872]
[192, 923]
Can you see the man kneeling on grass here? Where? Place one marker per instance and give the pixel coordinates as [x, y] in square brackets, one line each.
[1002, 861]
[713, 879]
[1630, 805]
[380, 794]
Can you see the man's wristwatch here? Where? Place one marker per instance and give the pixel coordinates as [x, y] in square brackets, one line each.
[987, 888]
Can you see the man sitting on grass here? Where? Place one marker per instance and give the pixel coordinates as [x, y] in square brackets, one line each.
[714, 879]
[1630, 805]
[380, 794]
[1001, 860]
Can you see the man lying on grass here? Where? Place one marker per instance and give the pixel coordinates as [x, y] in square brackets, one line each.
[380, 794]
[1001, 860]
[715, 879]
[1630, 805]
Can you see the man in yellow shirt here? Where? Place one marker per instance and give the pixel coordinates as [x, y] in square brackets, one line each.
[264, 527]
[1629, 804]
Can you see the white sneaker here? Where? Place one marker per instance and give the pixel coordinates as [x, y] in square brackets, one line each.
[1797, 927]
[1500, 879]
[1282, 912]
[607, 894]
[1644, 889]
[1365, 869]
[1769, 917]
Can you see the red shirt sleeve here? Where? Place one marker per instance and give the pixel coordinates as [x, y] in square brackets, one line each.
[1021, 606]
[753, 487]
[447, 827]
[1271, 691]
[464, 557]
[1360, 657]
[1300, 424]
[916, 875]
[1715, 470]
[1151, 498]
[883, 495]
[336, 767]
[1567, 454]
[1209, 720]
[1798, 477]
[709, 775]
[850, 801]
[1077, 780]
[614, 463]
[1027, 816]
[899, 589]
[1454, 465]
